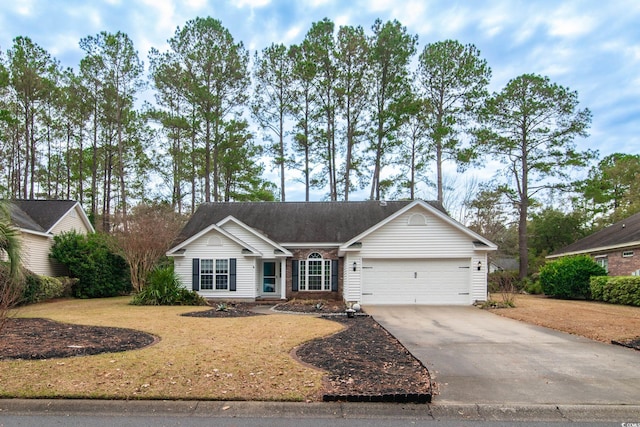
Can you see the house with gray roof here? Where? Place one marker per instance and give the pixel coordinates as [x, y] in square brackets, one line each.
[403, 252]
[616, 248]
[38, 221]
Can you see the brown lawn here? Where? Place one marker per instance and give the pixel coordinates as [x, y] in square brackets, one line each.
[595, 320]
[196, 358]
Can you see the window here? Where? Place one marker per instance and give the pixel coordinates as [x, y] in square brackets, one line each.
[218, 276]
[603, 262]
[627, 254]
[417, 219]
[315, 273]
[206, 274]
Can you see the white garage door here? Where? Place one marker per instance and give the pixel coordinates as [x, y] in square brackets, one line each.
[424, 281]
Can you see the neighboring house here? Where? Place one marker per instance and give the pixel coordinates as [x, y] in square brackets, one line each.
[616, 248]
[503, 264]
[366, 252]
[38, 222]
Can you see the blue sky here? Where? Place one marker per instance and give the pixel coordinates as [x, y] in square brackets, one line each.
[591, 46]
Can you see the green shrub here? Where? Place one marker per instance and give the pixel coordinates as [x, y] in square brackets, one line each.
[533, 287]
[31, 284]
[100, 272]
[40, 288]
[616, 290]
[568, 277]
[32, 288]
[164, 288]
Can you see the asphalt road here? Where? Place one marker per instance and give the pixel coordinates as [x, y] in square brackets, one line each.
[170, 421]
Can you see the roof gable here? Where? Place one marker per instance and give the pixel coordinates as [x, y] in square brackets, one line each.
[482, 242]
[280, 249]
[178, 249]
[621, 234]
[296, 222]
[41, 216]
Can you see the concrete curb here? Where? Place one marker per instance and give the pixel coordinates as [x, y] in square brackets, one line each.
[239, 409]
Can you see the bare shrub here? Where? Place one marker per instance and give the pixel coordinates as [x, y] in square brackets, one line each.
[144, 239]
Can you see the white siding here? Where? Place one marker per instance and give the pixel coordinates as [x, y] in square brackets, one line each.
[352, 280]
[245, 267]
[479, 278]
[35, 254]
[398, 239]
[251, 239]
[71, 221]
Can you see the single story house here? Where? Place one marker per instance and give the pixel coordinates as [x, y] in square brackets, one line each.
[38, 221]
[369, 252]
[616, 248]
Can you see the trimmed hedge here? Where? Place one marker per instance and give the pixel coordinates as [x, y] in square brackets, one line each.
[616, 290]
[34, 288]
[41, 288]
[569, 277]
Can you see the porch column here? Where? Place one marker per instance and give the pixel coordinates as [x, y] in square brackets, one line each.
[283, 278]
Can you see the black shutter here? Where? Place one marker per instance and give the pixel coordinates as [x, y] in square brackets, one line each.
[334, 275]
[195, 274]
[294, 275]
[232, 274]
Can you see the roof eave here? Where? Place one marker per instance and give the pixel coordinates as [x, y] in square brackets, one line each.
[597, 249]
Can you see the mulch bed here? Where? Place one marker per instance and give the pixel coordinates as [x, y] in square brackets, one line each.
[31, 339]
[309, 307]
[367, 364]
[632, 343]
[230, 310]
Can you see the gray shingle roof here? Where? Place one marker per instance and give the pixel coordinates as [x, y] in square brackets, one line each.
[619, 234]
[39, 215]
[297, 222]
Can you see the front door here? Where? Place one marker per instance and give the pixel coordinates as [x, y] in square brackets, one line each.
[269, 278]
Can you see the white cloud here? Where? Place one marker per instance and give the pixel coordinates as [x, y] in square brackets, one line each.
[251, 3]
[24, 7]
[492, 21]
[568, 22]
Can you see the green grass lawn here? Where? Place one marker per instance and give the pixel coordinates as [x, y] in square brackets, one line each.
[196, 358]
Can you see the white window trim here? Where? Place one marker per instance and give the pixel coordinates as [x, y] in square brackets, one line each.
[603, 261]
[214, 275]
[627, 254]
[325, 274]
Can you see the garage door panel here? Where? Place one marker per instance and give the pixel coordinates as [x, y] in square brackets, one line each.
[425, 281]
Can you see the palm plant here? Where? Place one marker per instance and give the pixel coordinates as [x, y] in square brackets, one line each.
[9, 241]
[10, 290]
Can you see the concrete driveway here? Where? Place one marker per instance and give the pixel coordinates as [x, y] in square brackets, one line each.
[478, 357]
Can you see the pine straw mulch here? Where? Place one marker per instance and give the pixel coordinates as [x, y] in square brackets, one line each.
[311, 306]
[367, 364]
[364, 362]
[226, 310]
[31, 339]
